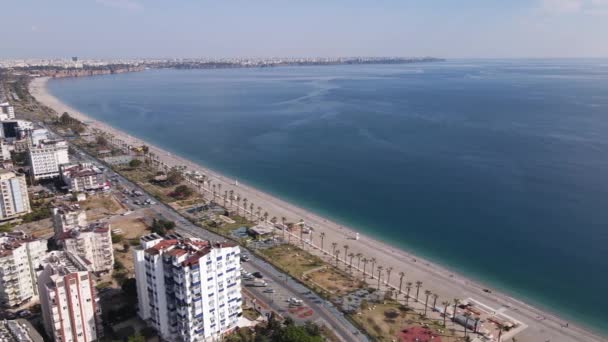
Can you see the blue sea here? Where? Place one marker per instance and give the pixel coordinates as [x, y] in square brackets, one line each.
[497, 169]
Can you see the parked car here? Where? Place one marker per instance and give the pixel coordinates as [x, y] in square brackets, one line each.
[257, 275]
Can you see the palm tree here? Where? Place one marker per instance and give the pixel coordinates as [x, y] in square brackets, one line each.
[231, 197]
[418, 284]
[388, 276]
[337, 255]
[445, 304]
[251, 206]
[351, 256]
[225, 198]
[365, 261]
[435, 296]
[245, 206]
[219, 187]
[265, 216]
[301, 224]
[213, 192]
[427, 293]
[500, 330]
[345, 252]
[476, 324]
[283, 219]
[379, 268]
[334, 245]
[401, 275]
[238, 205]
[358, 255]
[258, 212]
[467, 315]
[408, 287]
[456, 303]
[322, 238]
[373, 261]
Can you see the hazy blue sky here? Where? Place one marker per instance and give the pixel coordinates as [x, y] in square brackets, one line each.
[226, 28]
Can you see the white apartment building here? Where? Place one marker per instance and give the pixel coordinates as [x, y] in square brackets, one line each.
[5, 152]
[7, 112]
[20, 256]
[47, 157]
[14, 200]
[93, 244]
[188, 289]
[68, 300]
[68, 217]
[83, 177]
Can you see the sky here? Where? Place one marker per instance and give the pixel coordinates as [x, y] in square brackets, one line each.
[303, 28]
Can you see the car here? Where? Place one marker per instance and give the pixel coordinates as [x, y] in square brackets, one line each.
[257, 275]
[295, 301]
[487, 290]
[24, 313]
[269, 290]
[244, 258]
[126, 213]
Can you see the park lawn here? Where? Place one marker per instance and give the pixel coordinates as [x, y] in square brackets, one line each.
[335, 281]
[293, 260]
[384, 321]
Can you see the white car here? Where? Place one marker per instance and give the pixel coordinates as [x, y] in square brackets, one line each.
[295, 301]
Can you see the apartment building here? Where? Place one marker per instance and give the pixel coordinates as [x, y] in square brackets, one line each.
[14, 200]
[92, 243]
[67, 218]
[47, 157]
[68, 300]
[83, 177]
[20, 256]
[7, 112]
[188, 289]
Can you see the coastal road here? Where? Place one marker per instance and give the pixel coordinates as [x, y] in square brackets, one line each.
[323, 312]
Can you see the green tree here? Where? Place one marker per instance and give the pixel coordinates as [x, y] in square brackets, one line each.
[174, 177]
[135, 163]
[136, 338]
[101, 140]
[182, 192]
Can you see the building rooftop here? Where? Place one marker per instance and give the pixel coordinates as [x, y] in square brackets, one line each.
[187, 250]
[13, 240]
[98, 227]
[64, 263]
[19, 330]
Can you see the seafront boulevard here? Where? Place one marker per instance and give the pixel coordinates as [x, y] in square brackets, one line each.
[534, 324]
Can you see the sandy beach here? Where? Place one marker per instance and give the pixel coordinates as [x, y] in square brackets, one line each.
[538, 325]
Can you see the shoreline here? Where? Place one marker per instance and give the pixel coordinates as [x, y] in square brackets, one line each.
[440, 280]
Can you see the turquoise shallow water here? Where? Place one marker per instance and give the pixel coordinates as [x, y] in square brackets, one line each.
[497, 169]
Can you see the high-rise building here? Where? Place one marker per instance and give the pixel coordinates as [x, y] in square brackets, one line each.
[92, 243]
[68, 299]
[20, 256]
[188, 289]
[14, 200]
[67, 218]
[47, 157]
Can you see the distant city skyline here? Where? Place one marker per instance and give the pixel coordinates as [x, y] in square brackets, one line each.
[240, 28]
